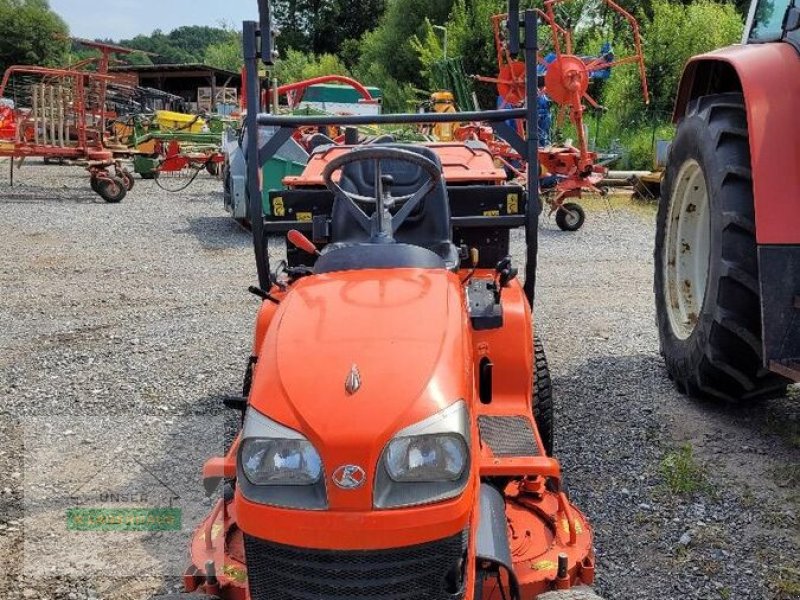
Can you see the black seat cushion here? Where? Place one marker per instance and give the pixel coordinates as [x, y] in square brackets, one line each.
[377, 256]
[428, 226]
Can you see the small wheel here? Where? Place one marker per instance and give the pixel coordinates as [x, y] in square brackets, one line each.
[542, 397]
[94, 184]
[111, 189]
[570, 217]
[212, 168]
[126, 176]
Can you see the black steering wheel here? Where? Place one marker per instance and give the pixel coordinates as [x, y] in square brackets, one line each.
[375, 225]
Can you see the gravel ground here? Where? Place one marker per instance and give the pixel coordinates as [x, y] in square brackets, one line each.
[123, 326]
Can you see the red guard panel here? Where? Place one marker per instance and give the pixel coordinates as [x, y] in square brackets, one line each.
[770, 80]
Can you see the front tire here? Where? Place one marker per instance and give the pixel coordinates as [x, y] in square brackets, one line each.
[708, 305]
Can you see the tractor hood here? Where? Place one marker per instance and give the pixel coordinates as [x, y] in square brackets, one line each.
[353, 357]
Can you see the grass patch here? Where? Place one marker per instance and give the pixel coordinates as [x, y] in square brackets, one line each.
[787, 584]
[682, 473]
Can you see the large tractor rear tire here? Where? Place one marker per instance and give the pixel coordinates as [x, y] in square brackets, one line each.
[707, 295]
[543, 397]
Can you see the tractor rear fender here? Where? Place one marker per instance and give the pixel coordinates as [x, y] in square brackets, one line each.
[768, 76]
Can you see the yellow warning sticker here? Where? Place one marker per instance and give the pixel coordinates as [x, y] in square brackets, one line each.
[543, 565]
[512, 204]
[304, 216]
[491, 213]
[278, 209]
[235, 573]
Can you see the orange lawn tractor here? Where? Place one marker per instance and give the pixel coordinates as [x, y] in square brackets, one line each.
[397, 419]
[727, 258]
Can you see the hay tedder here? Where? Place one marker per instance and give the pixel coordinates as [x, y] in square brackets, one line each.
[727, 257]
[61, 115]
[397, 413]
[564, 78]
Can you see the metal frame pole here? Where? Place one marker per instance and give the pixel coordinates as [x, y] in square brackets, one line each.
[250, 36]
[534, 203]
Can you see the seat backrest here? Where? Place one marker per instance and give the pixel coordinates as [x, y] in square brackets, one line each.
[428, 226]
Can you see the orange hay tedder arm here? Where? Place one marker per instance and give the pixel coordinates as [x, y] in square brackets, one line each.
[566, 83]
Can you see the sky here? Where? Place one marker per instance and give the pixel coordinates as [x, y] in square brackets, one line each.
[123, 19]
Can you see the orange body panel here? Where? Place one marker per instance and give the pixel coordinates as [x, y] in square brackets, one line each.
[409, 332]
[460, 164]
[769, 75]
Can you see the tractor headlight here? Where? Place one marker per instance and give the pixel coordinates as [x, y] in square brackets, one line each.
[279, 465]
[436, 457]
[426, 462]
[280, 462]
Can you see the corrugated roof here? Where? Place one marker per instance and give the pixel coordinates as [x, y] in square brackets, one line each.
[172, 68]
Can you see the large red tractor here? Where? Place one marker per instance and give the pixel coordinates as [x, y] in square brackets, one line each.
[397, 419]
[727, 257]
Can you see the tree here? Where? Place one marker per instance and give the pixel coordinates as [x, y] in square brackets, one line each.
[322, 26]
[226, 54]
[31, 34]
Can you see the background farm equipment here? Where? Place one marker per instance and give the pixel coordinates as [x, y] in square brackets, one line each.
[61, 114]
[173, 143]
[563, 79]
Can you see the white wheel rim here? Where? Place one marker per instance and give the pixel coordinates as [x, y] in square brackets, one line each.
[572, 217]
[687, 250]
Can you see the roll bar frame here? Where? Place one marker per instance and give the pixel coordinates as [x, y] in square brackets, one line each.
[258, 40]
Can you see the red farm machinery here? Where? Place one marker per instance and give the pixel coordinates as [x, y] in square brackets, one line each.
[61, 115]
[727, 258]
[563, 79]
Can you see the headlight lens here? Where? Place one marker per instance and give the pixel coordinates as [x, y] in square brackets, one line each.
[438, 457]
[425, 462]
[280, 462]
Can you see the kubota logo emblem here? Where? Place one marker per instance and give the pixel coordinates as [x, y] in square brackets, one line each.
[349, 477]
[353, 382]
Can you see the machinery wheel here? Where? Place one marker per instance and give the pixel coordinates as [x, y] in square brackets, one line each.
[111, 189]
[126, 176]
[543, 397]
[570, 217]
[707, 297]
[212, 168]
[93, 183]
[577, 593]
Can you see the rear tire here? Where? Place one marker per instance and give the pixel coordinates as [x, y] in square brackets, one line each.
[543, 397]
[707, 296]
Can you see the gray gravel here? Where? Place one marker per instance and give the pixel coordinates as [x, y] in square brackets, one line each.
[141, 309]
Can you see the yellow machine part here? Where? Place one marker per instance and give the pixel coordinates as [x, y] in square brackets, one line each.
[178, 121]
[444, 102]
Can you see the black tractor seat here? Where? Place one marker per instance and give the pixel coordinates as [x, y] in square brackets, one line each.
[352, 257]
[427, 228]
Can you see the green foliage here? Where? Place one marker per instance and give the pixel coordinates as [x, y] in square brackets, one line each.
[390, 47]
[226, 54]
[31, 34]
[296, 66]
[183, 45]
[322, 26]
[675, 33]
